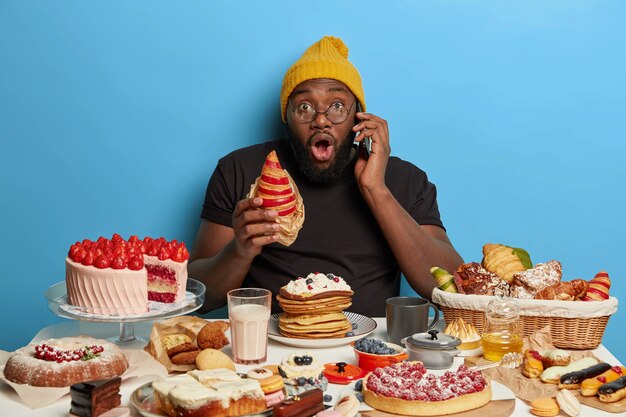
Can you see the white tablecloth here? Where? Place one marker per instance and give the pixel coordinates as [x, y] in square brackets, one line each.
[10, 404]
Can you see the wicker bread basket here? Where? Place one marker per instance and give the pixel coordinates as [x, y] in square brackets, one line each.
[573, 324]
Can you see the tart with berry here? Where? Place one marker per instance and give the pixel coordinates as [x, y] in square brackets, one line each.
[407, 388]
[65, 361]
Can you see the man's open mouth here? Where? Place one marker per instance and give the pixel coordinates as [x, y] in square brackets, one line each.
[322, 147]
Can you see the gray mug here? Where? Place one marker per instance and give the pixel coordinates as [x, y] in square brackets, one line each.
[407, 316]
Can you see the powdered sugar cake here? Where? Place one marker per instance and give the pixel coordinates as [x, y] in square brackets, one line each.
[65, 361]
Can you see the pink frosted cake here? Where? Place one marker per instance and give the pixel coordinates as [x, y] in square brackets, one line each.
[118, 277]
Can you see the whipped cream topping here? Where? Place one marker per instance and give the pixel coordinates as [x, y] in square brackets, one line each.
[316, 283]
[195, 396]
[212, 376]
[242, 388]
[293, 371]
[164, 385]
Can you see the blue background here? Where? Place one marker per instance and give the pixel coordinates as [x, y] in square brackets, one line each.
[113, 115]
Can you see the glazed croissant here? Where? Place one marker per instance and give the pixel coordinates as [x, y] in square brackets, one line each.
[564, 291]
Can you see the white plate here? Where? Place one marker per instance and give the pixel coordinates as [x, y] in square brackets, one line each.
[365, 326]
[473, 352]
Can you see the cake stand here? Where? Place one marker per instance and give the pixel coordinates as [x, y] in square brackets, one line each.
[194, 298]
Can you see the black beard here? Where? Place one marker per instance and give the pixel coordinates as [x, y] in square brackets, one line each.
[326, 175]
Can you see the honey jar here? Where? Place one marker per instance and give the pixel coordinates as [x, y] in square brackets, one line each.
[501, 333]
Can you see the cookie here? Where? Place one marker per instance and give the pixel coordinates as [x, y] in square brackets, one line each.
[171, 340]
[180, 348]
[212, 336]
[544, 407]
[213, 359]
[185, 358]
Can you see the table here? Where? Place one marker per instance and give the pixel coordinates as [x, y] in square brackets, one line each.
[11, 405]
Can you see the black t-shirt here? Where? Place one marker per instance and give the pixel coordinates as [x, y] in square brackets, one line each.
[339, 235]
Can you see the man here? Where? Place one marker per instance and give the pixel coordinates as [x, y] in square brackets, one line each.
[368, 218]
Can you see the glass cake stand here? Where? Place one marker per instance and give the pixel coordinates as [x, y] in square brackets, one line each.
[194, 298]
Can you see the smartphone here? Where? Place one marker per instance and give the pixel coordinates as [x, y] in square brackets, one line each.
[367, 140]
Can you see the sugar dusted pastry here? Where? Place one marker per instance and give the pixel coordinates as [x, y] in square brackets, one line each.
[279, 192]
[529, 282]
[505, 261]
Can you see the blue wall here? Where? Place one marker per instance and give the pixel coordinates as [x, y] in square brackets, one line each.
[113, 115]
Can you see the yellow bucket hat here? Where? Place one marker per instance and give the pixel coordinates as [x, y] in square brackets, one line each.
[327, 58]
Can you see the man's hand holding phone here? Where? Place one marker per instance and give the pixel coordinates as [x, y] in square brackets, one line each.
[372, 135]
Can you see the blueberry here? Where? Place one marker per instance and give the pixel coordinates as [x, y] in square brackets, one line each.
[359, 397]
[311, 380]
[327, 398]
[307, 360]
[330, 276]
[298, 360]
[281, 372]
[359, 385]
[355, 326]
[301, 381]
[349, 334]
[309, 280]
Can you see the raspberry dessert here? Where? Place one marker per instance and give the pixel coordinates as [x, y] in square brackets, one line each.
[406, 388]
[117, 276]
[65, 361]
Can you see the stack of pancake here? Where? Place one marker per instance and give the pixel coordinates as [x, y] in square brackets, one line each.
[313, 307]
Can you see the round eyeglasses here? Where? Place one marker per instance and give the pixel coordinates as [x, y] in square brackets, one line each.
[335, 113]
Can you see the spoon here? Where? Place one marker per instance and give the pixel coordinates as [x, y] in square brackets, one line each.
[510, 360]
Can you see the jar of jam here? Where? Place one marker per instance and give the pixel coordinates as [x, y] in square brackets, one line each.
[502, 333]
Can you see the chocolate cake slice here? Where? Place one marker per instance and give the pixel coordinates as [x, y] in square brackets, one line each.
[92, 398]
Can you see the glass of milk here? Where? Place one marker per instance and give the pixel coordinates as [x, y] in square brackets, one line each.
[249, 314]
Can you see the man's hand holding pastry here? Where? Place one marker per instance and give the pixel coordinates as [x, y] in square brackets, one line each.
[253, 228]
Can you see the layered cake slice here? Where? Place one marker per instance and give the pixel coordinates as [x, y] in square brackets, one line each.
[117, 276]
[93, 398]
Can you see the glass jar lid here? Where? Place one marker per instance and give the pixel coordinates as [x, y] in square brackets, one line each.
[433, 339]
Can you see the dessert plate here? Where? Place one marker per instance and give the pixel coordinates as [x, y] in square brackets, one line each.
[143, 401]
[364, 326]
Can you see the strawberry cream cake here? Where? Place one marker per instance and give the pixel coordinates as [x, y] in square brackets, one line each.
[118, 277]
[406, 388]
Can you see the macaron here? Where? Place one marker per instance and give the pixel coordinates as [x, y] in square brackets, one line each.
[272, 383]
[544, 407]
[259, 373]
[274, 398]
[568, 402]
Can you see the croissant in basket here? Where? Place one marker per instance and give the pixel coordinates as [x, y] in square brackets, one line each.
[564, 291]
[279, 192]
[505, 261]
